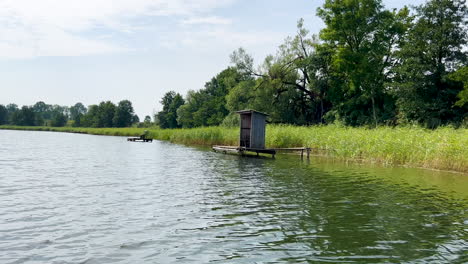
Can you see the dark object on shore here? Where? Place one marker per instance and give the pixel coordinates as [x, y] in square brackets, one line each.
[142, 138]
[252, 136]
[139, 139]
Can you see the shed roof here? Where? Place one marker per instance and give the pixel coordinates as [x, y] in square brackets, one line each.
[248, 111]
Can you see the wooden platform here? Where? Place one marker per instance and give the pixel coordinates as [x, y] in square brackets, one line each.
[243, 150]
[272, 151]
[139, 139]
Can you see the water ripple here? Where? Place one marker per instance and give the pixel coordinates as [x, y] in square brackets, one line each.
[70, 198]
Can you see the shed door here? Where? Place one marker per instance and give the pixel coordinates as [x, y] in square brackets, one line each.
[245, 131]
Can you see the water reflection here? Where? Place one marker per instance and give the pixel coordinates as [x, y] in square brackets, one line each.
[347, 214]
[89, 199]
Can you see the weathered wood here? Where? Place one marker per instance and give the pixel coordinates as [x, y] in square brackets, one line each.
[242, 150]
[252, 136]
[257, 133]
[252, 129]
[302, 150]
[139, 139]
[226, 149]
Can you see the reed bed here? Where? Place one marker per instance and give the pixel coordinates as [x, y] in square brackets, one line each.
[443, 148]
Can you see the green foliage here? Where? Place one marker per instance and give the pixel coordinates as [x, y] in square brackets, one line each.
[432, 50]
[58, 120]
[123, 116]
[207, 107]
[3, 115]
[231, 120]
[90, 118]
[167, 118]
[45, 114]
[105, 115]
[285, 83]
[11, 109]
[461, 75]
[24, 117]
[362, 37]
[77, 112]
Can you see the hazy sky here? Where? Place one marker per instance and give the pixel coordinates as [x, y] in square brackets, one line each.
[68, 51]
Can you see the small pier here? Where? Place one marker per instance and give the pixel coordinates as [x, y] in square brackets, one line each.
[139, 139]
[272, 151]
[252, 137]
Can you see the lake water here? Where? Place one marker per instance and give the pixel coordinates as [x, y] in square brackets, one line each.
[69, 198]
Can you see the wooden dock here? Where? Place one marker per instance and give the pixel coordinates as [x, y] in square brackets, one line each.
[271, 151]
[139, 139]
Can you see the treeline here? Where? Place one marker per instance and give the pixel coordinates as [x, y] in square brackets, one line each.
[368, 66]
[105, 114]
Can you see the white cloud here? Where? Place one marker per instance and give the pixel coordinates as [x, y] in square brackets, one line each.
[31, 28]
[230, 39]
[207, 20]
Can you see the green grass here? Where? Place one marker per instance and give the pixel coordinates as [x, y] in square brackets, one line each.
[443, 148]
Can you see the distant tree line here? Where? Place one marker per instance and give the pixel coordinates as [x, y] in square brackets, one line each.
[368, 66]
[106, 114]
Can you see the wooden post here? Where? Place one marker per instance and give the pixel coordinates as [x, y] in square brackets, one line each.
[308, 153]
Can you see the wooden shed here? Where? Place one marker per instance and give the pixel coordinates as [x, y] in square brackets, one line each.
[252, 137]
[252, 129]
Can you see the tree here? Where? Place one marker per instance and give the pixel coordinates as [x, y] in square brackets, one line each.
[42, 111]
[167, 118]
[123, 114]
[58, 120]
[461, 75]
[290, 77]
[105, 115]
[363, 37]
[24, 117]
[11, 110]
[90, 119]
[433, 49]
[3, 115]
[77, 112]
[135, 119]
[207, 106]
[186, 116]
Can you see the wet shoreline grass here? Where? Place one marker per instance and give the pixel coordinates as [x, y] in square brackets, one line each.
[443, 148]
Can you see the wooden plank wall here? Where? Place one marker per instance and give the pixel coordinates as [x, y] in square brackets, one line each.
[257, 134]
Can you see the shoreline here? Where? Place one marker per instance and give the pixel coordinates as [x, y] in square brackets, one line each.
[441, 149]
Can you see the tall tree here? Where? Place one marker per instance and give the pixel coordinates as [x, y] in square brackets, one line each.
[24, 117]
[285, 77]
[123, 114]
[3, 115]
[167, 118]
[77, 112]
[207, 106]
[42, 111]
[11, 109]
[434, 49]
[105, 116]
[90, 119]
[363, 37]
[461, 75]
[59, 119]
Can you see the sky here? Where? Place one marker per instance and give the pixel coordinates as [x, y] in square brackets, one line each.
[68, 51]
